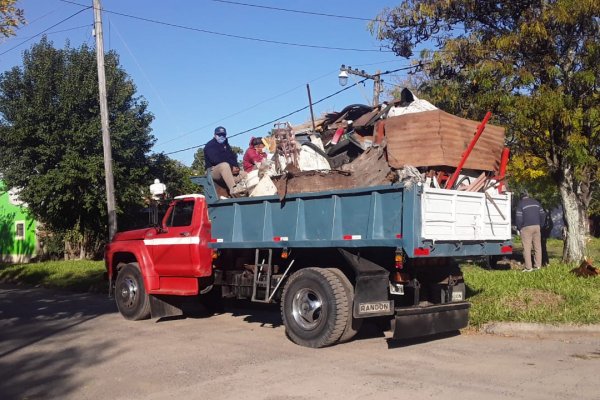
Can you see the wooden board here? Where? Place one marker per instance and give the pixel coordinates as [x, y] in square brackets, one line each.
[436, 138]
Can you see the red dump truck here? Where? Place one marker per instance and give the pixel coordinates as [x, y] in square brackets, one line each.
[330, 258]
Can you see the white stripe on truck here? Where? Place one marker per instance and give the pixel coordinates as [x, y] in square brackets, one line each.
[169, 241]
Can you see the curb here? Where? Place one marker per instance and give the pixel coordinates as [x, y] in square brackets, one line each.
[534, 330]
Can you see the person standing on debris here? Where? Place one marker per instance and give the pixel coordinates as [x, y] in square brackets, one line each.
[221, 162]
[254, 155]
[530, 218]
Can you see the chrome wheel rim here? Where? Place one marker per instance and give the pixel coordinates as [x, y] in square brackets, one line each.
[307, 308]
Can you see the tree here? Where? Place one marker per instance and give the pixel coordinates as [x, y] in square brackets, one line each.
[172, 173]
[198, 165]
[534, 64]
[51, 141]
[10, 17]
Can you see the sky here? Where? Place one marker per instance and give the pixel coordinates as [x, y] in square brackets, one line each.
[195, 81]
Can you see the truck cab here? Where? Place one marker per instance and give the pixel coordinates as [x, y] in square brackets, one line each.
[169, 259]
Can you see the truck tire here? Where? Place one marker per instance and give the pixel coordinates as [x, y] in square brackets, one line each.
[130, 295]
[353, 325]
[314, 307]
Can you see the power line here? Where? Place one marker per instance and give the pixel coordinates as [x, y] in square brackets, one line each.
[189, 28]
[242, 111]
[300, 109]
[292, 11]
[274, 120]
[63, 30]
[47, 29]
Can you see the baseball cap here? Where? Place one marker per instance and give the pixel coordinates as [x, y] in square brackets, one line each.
[219, 130]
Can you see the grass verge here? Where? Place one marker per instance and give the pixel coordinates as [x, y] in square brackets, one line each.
[549, 295]
[79, 276]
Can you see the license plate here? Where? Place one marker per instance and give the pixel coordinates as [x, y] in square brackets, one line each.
[372, 308]
[396, 288]
[457, 296]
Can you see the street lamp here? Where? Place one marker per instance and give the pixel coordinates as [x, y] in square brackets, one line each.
[377, 81]
[343, 77]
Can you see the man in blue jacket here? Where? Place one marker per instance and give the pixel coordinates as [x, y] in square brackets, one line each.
[530, 218]
[221, 162]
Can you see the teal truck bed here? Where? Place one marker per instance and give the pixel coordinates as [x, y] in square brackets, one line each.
[424, 222]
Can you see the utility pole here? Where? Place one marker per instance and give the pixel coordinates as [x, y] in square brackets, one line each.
[110, 186]
[377, 81]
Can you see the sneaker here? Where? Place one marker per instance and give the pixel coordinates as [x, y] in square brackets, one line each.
[527, 270]
[536, 268]
[238, 190]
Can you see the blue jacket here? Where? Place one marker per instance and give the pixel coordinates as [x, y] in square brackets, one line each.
[215, 153]
[529, 212]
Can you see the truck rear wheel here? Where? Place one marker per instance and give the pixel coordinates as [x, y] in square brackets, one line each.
[130, 295]
[353, 325]
[314, 307]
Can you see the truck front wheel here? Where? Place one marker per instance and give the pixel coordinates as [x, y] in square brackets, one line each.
[314, 307]
[130, 295]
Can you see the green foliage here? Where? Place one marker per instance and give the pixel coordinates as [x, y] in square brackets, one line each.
[10, 17]
[535, 65]
[172, 173]
[237, 150]
[51, 141]
[198, 165]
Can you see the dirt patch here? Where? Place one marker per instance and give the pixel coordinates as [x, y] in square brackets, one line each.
[532, 298]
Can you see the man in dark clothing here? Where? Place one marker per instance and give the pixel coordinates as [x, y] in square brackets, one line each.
[530, 218]
[221, 161]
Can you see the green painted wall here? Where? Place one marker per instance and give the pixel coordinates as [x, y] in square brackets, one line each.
[11, 248]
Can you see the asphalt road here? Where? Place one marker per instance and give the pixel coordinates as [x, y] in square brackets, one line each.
[73, 346]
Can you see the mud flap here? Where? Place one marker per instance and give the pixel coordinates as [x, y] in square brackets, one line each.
[371, 298]
[414, 322]
[165, 306]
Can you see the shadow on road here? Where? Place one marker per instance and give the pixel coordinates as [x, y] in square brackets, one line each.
[40, 318]
[399, 343]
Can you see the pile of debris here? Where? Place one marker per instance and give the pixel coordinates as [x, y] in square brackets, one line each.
[407, 140]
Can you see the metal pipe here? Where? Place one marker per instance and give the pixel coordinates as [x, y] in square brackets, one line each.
[502, 170]
[312, 116]
[281, 280]
[465, 155]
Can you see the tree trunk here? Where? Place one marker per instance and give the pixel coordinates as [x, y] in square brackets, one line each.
[83, 245]
[575, 215]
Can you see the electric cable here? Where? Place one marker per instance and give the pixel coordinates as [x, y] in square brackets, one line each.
[61, 31]
[291, 11]
[241, 111]
[231, 35]
[161, 144]
[274, 120]
[46, 30]
[300, 109]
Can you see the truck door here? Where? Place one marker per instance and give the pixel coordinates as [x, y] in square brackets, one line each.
[172, 248]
